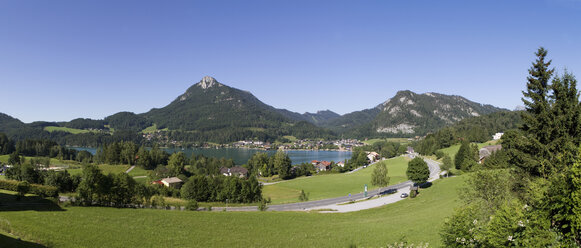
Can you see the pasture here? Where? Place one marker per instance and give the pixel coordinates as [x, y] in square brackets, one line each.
[414, 221]
[333, 185]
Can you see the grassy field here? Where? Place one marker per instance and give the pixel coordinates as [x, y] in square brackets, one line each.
[53, 161]
[153, 129]
[396, 140]
[411, 220]
[452, 150]
[66, 129]
[333, 185]
[106, 169]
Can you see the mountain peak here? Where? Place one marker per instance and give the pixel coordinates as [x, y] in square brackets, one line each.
[208, 82]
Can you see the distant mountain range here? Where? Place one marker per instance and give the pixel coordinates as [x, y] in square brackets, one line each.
[212, 111]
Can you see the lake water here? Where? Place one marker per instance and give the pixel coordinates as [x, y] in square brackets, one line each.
[241, 155]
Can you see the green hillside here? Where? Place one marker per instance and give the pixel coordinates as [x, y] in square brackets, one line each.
[333, 185]
[403, 221]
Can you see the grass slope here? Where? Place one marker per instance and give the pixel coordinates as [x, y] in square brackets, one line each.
[66, 130]
[412, 220]
[105, 169]
[333, 185]
[452, 150]
[53, 161]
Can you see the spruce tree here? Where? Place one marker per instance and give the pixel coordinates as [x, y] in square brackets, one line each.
[461, 154]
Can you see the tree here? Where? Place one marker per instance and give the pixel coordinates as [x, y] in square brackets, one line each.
[379, 176]
[466, 156]
[123, 190]
[418, 171]
[282, 164]
[460, 155]
[446, 164]
[177, 163]
[14, 158]
[6, 145]
[90, 180]
[257, 162]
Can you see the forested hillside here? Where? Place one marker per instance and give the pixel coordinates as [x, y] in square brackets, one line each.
[476, 129]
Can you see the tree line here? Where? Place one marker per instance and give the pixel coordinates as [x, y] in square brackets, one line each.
[475, 129]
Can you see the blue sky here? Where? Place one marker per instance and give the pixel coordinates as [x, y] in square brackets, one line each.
[60, 60]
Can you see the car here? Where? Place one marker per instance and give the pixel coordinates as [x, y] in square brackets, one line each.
[404, 195]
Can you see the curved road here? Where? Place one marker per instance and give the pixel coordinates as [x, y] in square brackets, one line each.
[300, 206]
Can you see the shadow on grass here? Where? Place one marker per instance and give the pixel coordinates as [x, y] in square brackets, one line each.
[426, 185]
[9, 202]
[7, 241]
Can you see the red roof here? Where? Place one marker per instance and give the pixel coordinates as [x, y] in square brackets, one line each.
[157, 182]
[326, 163]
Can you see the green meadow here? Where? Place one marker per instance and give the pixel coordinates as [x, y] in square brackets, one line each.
[333, 185]
[66, 130]
[452, 150]
[414, 221]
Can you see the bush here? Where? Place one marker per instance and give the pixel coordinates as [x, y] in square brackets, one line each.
[413, 194]
[37, 189]
[262, 205]
[192, 205]
[44, 190]
[440, 154]
[22, 189]
[304, 196]
[158, 200]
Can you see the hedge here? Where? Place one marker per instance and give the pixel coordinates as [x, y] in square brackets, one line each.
[37, 189]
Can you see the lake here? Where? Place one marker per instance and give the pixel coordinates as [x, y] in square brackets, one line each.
[241, 155]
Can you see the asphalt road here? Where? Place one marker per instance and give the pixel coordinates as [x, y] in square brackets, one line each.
[300, 206]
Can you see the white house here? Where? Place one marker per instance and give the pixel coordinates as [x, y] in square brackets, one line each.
[173, 182]
[497, 136]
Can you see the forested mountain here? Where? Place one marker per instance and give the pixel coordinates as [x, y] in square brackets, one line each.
[406, 114]
[475, 129]
[210, 111]
[8, 123]
[321, 118]
[127, 121]
[211, 108]
[409, 114]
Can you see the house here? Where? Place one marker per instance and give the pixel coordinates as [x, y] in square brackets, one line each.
[487, 151]
[172, 182]
[321, 165]
[341, 164]
[372, 156]
[497, 136]
[238, 171]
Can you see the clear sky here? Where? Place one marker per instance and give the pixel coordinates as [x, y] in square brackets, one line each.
[61, 60]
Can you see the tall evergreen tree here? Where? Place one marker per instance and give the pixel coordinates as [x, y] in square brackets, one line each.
[537, 118]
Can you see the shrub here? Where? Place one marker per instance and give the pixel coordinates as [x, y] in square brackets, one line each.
[192, 205]
[157, 200]
[440, 154]
[37, 189]
[413, 194]
[22, 189]
[262, 205]
[304, 196]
